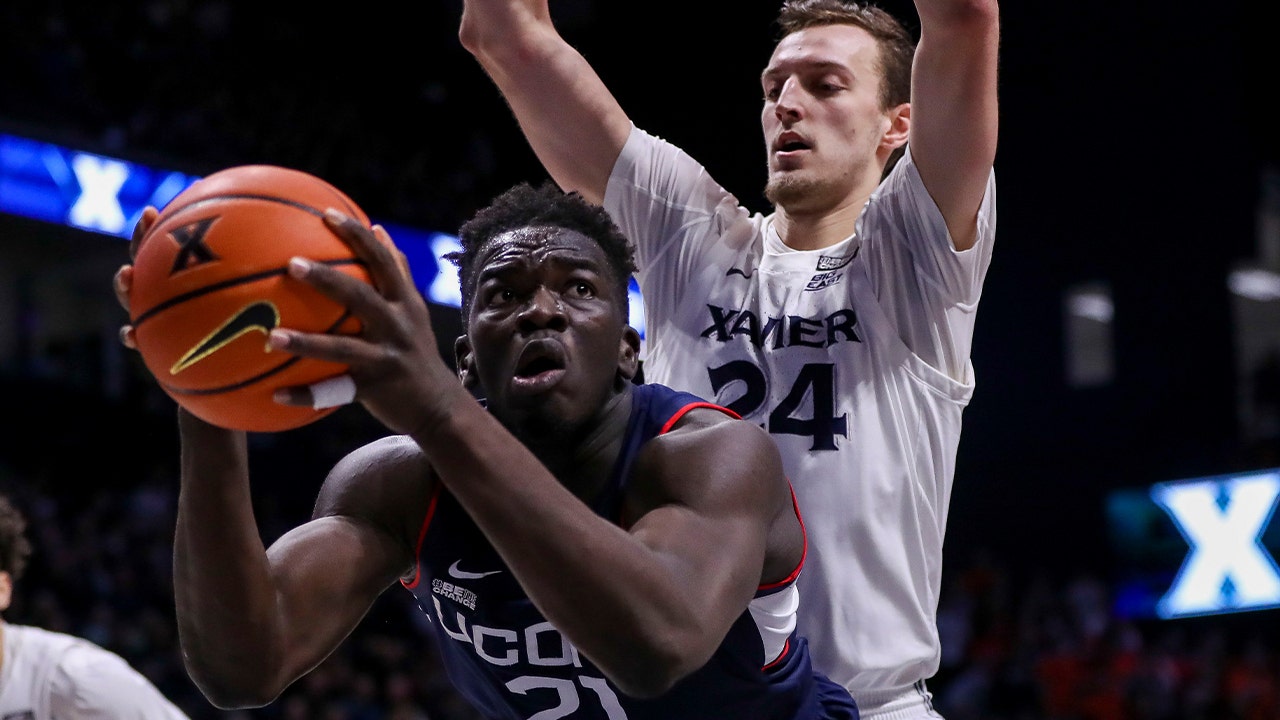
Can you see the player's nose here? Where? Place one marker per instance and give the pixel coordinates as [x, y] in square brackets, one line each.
[789, 105]
[543, 310]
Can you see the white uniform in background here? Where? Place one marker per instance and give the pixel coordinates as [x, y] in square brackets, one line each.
[855, 357]
[52, 676]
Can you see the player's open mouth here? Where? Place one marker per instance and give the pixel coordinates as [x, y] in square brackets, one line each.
[789, 143]
[541, 364]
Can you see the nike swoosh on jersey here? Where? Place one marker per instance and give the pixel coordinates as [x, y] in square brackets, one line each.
[464, 575]
[739, 271]
[261, 316]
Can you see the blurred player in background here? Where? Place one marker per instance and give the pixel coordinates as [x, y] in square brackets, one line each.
[48, 675]
[584, 547]
[842, 321]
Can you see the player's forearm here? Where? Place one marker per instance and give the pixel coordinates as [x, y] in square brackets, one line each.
[550, 88]
[936, 15]
[222, 587]
[954, 109]
[616, 600]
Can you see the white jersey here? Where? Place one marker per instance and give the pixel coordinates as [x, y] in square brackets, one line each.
[51, 676]
[854, 357]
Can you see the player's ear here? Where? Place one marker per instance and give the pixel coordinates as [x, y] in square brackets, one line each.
[463, 360]
[629, 354]
[6, 590]
[897, 128]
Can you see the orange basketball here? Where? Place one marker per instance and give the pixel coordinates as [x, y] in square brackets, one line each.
[210, 282]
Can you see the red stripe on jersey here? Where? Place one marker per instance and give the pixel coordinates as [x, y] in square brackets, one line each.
[803, 553]
[422, 535]
[684, 410]
[786, 649]
[625, 522]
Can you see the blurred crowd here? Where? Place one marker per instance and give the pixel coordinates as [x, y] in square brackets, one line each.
[1047, 645]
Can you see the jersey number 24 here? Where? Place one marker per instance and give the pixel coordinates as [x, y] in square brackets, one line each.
[816, 379]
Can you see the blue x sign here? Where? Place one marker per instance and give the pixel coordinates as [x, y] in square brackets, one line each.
[1228, 569]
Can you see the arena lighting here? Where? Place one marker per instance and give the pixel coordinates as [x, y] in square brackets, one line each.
[1255, 284]
[1096, 306]
[106, 195]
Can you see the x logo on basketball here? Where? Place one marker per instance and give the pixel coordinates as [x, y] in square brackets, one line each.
[1227, 569]
[192, 250]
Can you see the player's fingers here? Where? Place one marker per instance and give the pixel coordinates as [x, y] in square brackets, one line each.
[335, 391]
[402, 262]
[360, 297]
[384, 268]
[140, 228]
[128, 338]
[121, 284]
[344, 349]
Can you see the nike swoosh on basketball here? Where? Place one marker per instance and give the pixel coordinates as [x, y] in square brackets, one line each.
[464, 575]
[261, 316]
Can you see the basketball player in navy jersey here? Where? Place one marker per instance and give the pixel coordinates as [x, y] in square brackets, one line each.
[583, 546]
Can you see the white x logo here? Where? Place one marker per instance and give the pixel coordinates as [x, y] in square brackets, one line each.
[1225, 547]
[98, 206]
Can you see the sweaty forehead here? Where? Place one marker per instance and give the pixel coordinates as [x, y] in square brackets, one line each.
[540, 244]
[836, 45]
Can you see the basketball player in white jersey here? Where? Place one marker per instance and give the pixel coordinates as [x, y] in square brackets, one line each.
[842, 321]
[48, 675]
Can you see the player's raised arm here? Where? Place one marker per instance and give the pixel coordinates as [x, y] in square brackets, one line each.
[954, 116]
[572, 121]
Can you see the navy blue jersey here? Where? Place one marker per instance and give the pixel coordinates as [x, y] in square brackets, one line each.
[506, 659]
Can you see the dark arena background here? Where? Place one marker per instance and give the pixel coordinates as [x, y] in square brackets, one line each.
[1110, 549]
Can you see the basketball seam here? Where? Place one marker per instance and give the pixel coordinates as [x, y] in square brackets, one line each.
[222, 285]
[171, 211]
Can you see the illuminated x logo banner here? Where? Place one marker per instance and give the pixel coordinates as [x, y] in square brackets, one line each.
[1228, 568]
[98, 207]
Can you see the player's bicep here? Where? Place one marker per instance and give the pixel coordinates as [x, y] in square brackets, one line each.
[329, 571]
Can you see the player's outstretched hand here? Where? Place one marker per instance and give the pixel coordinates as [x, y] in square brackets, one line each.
[124, 276]
[394, 362]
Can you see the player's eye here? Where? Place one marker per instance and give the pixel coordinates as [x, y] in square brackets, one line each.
[499, 297]
[582, 289]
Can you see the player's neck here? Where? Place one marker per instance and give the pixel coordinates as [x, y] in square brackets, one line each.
[583, 458]
[814, 230]
[596, 455]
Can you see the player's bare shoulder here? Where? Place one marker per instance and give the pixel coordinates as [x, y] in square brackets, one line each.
[386, 483]
[704, 451]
